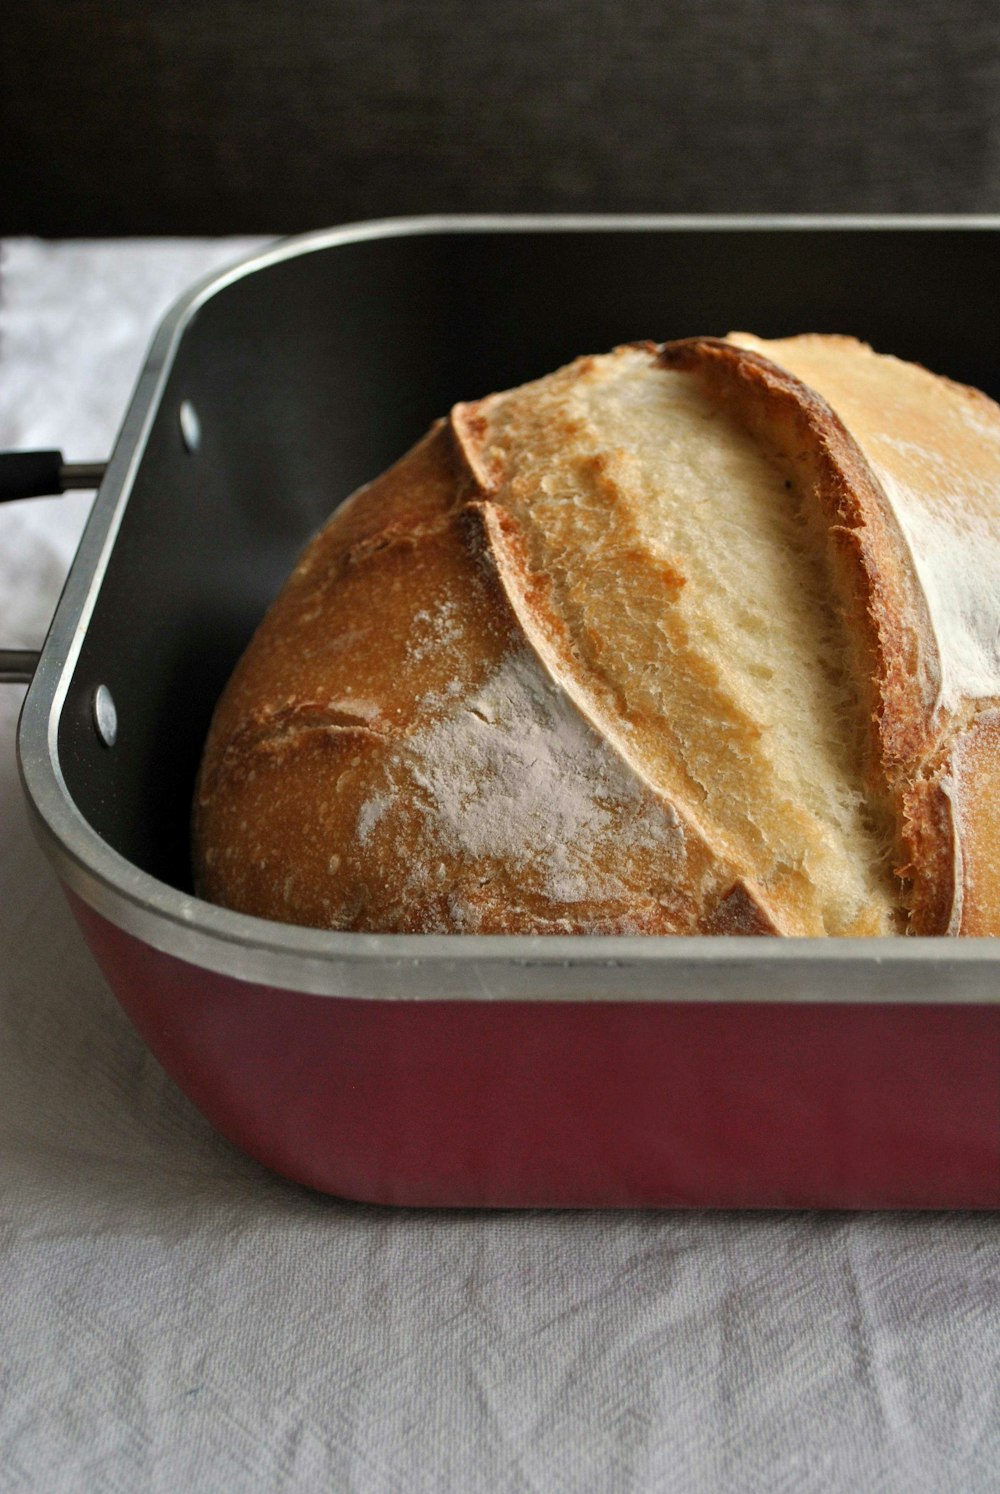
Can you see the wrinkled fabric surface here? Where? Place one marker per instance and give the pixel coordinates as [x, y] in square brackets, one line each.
[173, 1318]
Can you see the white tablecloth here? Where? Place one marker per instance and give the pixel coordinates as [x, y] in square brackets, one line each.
[174, 1318]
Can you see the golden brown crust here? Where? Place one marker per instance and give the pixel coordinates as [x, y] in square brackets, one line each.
[739, 911]
[710, 874]
[933, 872]
[973, 785]
[333, 679]
[438, 679]
[597, 600]
[299, 810]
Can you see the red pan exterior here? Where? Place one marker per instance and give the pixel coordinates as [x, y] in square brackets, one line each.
[589, 1104]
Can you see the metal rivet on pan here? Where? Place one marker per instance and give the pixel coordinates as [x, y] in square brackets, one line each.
[190, 425]
[105, 716]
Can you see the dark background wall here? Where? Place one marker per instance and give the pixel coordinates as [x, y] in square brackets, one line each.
[209, 116]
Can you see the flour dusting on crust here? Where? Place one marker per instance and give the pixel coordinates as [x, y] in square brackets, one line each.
[514, 772]
[955, 555]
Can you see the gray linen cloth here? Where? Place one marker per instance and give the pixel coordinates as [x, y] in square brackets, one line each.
[172, 1317]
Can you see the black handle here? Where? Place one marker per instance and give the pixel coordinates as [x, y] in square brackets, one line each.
[30, 474]
[17, 665]
[38, 474]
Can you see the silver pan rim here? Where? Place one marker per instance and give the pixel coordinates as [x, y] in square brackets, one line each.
[445, 966]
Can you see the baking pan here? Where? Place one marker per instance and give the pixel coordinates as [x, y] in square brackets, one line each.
[468, 1070]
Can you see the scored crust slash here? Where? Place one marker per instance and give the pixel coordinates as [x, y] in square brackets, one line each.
[693, 638]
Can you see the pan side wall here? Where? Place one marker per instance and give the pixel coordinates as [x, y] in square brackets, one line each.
[580, 1104]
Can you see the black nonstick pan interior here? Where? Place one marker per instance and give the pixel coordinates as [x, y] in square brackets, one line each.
[305, 378]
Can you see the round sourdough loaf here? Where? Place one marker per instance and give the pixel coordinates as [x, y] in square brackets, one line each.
[700, 638]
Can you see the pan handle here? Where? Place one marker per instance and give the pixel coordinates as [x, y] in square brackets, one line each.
[37, 474]
[40, 474]
[17, 665]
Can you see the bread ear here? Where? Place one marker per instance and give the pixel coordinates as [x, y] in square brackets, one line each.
[932, 449]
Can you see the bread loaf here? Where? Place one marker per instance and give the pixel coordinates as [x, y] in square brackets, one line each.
[700, 638]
